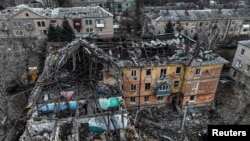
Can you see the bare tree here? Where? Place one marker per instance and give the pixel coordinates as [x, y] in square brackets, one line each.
[209, 34]
[11, 67]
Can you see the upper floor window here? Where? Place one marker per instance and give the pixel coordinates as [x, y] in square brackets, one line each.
[88, 22]
[16, 24]
[133, 73]
[178, 70]
[147, 86]
[41, 24]
[198, 71]
[133, 87]
[176, 83]
[163, 73]
[148, 72]
[242, 51]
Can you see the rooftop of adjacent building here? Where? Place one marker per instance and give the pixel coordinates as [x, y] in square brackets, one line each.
[206, 14]
[245, 43]
[72, 12]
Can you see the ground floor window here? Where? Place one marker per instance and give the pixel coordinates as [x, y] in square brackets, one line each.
[160, 98]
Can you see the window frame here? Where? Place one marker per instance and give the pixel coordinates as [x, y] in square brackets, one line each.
[163, 73]
[198, 72]
[147, 86]
[146, 98]
[242, 51]
[192, 98]
[178, 70]
[132, 100]
[177, 83]
[133, 87]
[133, 73]
[160, 98]
[148, 72]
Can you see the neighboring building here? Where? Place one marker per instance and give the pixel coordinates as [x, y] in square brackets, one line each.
[114, 6]
[230, 22]
[34, 22]
[240, 70]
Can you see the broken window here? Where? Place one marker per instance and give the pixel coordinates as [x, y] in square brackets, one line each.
[198, 71]
[176, 83]
[133, 87]
[238, 64]
[192, 98]
[147, 86]
[200, 23]
[43, 23]
[178, 70]
[148, 72]
[146, 98]
[248, 68]
[160, 98]
[133, 73]
[234, 74]
[242, 51]
[163, 73]
[132, 99]
[39, 24]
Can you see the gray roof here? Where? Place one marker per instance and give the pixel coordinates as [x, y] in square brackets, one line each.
[72, 12]
[207, 14]
[245, 43]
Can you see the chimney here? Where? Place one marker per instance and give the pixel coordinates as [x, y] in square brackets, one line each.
[186, 12]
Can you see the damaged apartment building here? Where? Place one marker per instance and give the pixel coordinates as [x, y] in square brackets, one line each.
[85, 87]
[175, 70]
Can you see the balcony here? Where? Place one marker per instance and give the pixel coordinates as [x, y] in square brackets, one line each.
[163, 87]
